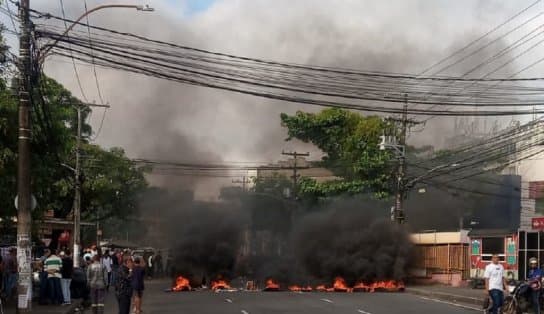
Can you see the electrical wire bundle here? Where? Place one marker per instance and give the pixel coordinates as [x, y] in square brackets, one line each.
[315, 85]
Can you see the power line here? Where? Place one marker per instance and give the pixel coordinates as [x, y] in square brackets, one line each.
[73, 61]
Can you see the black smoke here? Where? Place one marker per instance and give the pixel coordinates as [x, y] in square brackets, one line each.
[352, 243]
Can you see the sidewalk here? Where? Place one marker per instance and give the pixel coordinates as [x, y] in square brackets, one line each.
[449, 294]
[46, 309]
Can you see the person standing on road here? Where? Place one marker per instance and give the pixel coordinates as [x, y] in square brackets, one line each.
[66, 272]
[52, 266]
[158, 264]
[534, 278]
[495, 283]
[10, 273]
[123, 285]
[107, 263]
[138, 275]
[97, 278]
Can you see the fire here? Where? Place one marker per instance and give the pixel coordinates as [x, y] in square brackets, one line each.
[389, 285]
[321, 288]
[182, 284]
[297, 288]
[272, 285]
[220, 285]
[340, 285]
[361, 287]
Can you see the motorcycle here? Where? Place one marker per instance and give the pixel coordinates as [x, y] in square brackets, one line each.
[519, 300]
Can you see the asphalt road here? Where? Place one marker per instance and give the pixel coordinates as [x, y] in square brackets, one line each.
[156, 301]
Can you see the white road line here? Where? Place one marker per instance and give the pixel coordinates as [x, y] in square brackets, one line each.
[326, 300]
[451, 303]
[244, 312]
[228, 300]
[363, 312]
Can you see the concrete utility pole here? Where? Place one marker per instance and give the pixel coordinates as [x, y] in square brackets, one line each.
[399, 147]
[244, 181]
[398, 214]
[24, 218]
[77, 173]
[77, 195]
[295, 168]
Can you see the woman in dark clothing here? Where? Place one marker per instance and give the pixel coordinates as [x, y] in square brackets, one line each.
[138, 274]
[123, 285]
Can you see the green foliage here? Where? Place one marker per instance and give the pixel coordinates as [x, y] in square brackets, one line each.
[111, 184]
[350, 142]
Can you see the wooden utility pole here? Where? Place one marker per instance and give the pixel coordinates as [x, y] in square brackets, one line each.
[24, 222]
[295, 168]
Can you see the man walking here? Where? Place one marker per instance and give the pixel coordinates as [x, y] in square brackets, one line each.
[534, 277]
[97, 278]
[66, 272]
[53, 265]
[495, 283]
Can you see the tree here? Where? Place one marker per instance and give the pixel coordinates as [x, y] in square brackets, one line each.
[350, 143]
[112, 183]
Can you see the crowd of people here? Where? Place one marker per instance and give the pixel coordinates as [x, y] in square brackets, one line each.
[59, 281]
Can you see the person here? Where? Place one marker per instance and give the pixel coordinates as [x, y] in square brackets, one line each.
[495, 283]
[10, 273]
[114, 266]
[138, 275]
[534, 277]
[97, 278]
[53, 265]
[107, 263]
[150, 266]
[123, 285]
[158, 264]
[66, 273]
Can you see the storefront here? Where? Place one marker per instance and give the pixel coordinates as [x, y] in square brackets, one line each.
[486, 242]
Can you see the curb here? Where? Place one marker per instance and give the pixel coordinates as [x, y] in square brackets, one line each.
[446, 296]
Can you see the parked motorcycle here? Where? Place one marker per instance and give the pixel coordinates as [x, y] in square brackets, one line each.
[519, 301]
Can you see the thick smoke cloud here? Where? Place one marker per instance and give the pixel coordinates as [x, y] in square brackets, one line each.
[157, 119]
[352, 242]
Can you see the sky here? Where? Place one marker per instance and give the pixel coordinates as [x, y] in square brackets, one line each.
[159, 119]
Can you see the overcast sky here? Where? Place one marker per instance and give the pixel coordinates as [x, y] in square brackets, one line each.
[159, 119]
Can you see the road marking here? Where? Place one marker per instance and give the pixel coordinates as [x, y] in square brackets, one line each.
[326, 300]
[363, 312]
[244, 312]
[451, 303]
[228, 300]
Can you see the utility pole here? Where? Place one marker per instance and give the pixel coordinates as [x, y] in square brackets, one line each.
[244, 181]
[399, 147]
[24, 223]
[398, 214]
[77, 194]
[295, 168]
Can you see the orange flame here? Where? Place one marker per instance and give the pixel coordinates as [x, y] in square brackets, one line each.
[389, 285]
[340, 285]
[182, 284]
[220, 285]
[321, 288]
[271, 284]
[361, 287]
[295, 288]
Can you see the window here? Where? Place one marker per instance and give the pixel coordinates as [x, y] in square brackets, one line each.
[492, 245]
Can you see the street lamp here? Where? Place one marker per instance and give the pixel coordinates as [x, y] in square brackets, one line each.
[143, 8]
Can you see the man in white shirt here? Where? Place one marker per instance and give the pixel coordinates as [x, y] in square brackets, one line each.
[495, 283]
